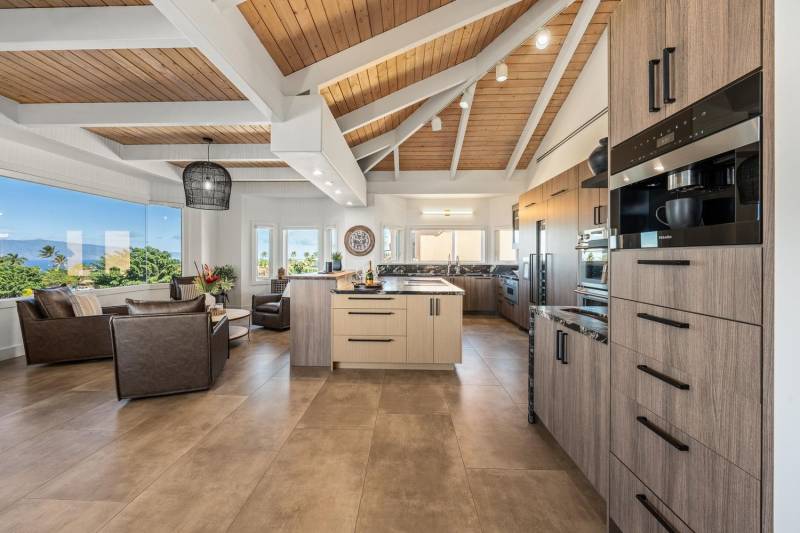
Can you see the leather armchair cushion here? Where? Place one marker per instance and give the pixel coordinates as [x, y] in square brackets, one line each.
[54, 302]
[142, 307]
[269, 307]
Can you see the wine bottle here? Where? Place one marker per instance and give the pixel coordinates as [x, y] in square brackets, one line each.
[369, 279]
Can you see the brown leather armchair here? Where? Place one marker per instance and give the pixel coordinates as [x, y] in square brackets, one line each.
[58, 340]
[160, 354]
[175, 286]
[271, 311]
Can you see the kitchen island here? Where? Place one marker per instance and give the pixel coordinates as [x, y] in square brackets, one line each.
[411, 322]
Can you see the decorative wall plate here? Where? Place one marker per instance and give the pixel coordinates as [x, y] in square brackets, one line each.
[359, 240]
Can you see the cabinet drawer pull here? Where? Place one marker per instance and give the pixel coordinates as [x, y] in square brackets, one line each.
[663, 434]
[367, 298]
[530, 204]
[560, 191]
[651, 85]
[656, 514]
[595, 215]
[665, 262]
[665, 321]
[663, 377]
[668, 98]
[370, 340]
[563, 348]
[558, 344]
[370, 313]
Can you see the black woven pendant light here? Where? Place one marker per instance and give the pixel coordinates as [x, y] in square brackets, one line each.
[207, 185]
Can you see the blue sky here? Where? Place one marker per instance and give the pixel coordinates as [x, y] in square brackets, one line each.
[34, 211]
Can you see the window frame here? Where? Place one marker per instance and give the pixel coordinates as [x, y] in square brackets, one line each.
[285, 244]
[398, 234]
[497, 259]
[255, 225]
[412, 243]
[330, 245]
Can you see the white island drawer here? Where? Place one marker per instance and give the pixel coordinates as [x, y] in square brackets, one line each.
[369, 349]
[369, 322]
[369, 301]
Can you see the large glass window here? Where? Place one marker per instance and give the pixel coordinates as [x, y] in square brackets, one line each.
[435, 245]
[504, 247]
[262, 237]
[301, 247]
[392, 244]
[51, 236]
[331, 242]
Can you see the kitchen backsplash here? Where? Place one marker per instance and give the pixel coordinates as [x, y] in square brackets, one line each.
[408, 269]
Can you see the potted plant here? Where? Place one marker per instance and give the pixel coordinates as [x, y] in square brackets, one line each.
[336, 258]
[227, 277]
[211, 284]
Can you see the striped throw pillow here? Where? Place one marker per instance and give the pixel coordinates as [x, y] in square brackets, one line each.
[189, 291]
[85, 305]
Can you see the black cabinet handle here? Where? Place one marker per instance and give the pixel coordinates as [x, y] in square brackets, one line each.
[530, 204]
[663, 434]
[663, 377]
[594, 216]
[370, 340]
[668, 98]
[665, 321]
[563, 348]
[651, 80]
[559, 333]
[600, 219]
[438, 307]
[560, 191]
[370, 313]
[656, 514]
[664, 262]
[430, 311]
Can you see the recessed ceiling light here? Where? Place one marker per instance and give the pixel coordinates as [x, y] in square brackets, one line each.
[328, 183]
[464, 103]
[501, 72]
[337, 191]
[349, 202]
[541, 38]
[436, 123]
[317, 172]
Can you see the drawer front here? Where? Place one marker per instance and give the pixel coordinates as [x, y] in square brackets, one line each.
[369, 349]
[720, 281]
[369, 322]
[719, 360]
[634, 508]
[707, 492]
[369, 301]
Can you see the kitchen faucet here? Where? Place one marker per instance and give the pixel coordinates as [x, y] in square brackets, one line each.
[448, 265]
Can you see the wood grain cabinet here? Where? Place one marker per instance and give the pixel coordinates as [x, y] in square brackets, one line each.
[562, 235]
[571, 396]
[667, 54]
[435, 326]
[592, 204]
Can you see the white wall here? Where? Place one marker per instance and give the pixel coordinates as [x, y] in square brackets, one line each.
[787, 257]
[588, 97]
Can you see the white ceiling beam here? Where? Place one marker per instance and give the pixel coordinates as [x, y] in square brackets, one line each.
[195, 152]
[402, 98]
[568, 48]
[265, 174]
[224, 5]
[508, 41]
[462, 131]
[470, 182]
[396, 162]
[390, 43]
[87, 28]
[373, 145]
[229, 42]
[141, 114]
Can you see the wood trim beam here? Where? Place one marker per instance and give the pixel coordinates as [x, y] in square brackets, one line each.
[505, 43]
[141, 114]
[390, 43]
[87, 28]
[462, 131]
[416, 92]
[195, 152]
[570, 44]
[228, 41]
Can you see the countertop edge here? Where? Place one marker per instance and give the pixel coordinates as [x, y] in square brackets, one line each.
[590, 327]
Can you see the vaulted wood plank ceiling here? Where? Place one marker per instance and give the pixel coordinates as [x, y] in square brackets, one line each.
[11, 4]
[187, 134]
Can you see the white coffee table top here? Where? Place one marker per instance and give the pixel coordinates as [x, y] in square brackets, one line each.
[233, 314]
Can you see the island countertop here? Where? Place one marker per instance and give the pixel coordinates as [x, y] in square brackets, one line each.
[406, 285]
[322, 275]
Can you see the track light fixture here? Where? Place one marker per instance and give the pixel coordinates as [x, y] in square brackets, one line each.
[541, 38]
[501, 72]
[464, 103]
[436, 123]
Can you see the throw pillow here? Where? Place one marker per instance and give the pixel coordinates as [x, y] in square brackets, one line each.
[86, 305]
[143, 307]
[189, 291]
[54, 302]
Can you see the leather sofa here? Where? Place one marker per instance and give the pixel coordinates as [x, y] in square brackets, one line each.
[59, 340]
[163, 352]
[271, 311]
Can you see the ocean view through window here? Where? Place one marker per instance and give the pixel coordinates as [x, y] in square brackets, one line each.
[51, 236]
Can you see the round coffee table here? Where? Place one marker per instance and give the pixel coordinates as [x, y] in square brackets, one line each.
[237, 332]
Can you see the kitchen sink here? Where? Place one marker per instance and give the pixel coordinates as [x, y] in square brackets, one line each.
[591, 314]
[423, 281]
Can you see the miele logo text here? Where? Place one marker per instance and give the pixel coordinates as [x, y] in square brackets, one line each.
[664, 237]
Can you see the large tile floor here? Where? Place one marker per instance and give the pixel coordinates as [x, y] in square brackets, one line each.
[272, 448]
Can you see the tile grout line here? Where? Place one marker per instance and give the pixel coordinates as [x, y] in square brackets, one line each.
[369, 455]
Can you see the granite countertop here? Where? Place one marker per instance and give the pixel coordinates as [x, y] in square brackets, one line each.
[407, 285]
[585, 325]
[322, 275]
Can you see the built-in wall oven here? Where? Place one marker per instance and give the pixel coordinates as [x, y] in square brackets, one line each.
[511, 289]
[592, 249]
[693, 179]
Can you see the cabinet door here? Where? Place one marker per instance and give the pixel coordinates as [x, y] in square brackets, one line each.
[602, 206]
[419, 313]
[588, 200]
[544, 361]
[636, 36]
[716, 42]
[447, 330]
[562, 234]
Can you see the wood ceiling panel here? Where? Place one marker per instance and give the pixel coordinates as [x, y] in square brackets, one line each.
[419, 63]
[187, 135]
[380, 126]
[137, 75]
[239, 164]
[298, 33]
[13, 4]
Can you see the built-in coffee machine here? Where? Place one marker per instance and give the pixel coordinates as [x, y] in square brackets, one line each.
[693, 179]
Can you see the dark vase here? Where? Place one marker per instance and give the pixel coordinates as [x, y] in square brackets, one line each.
[337, 265]
[598, 159]
[221, 298]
